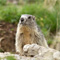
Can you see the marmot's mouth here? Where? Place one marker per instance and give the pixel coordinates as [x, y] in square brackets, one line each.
[23, 24]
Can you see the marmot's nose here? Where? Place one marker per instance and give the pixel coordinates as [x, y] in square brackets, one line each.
[22, 19]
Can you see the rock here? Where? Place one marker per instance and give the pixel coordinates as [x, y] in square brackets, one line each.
[39, 53]
[32, 49]
[56, 55]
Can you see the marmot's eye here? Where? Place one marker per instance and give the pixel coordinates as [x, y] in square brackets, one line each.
[29, 17]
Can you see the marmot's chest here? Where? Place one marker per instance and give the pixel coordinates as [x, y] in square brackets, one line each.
[27, 35]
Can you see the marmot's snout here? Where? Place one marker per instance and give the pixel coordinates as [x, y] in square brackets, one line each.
[22, 20]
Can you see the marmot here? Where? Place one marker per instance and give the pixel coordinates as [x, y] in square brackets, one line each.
[28, 32]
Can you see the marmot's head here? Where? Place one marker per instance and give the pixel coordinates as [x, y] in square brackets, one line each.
[27, 20]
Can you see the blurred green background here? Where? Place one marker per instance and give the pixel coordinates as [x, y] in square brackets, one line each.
[47, 13]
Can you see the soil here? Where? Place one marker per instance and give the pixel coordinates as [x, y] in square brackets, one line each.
[7, 36]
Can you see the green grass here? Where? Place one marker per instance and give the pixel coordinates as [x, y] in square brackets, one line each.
[9, 13]
[1, 50]
[45, 19]
[3, 2]
[10, 58]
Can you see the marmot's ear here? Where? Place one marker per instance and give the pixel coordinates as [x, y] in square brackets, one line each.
[33, 17]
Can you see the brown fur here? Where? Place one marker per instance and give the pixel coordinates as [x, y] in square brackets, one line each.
[26, 33]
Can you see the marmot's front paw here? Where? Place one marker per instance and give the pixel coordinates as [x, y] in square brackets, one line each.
[17, 52]
[21, 54]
